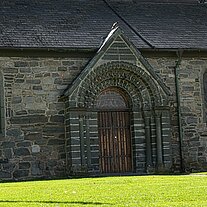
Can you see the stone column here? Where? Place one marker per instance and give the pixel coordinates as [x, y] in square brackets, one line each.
[88, 146]
[75, 144]
[82, 145]
[159, 140]
[148, 143]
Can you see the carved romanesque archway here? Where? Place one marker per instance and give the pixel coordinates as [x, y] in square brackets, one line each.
[139, 85]
[149, 122]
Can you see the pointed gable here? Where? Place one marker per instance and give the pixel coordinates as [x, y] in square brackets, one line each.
[116, 48]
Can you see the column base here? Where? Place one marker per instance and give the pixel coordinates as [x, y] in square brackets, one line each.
[150, 169]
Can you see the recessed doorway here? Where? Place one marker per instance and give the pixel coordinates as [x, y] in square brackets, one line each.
[114, 132]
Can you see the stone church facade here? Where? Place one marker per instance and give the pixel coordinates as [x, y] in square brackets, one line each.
[121, 106]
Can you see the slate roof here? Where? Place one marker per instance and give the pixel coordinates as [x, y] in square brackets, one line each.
[84, 24]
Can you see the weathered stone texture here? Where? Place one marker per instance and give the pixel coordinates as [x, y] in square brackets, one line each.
[34, 141]
[35, 134]
[193, 121]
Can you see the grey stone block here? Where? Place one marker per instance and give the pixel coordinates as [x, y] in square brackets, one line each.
[19, 80]
[20, 173]
[8, 144]
[56, 142]
[24, 165]
[37, 88]
[24, 144]
[21, 64]
[55, 75]
[52, 163]
[20, 75]
[9, 167]
[54, 129]
[14, 132]
[41, 141]
[38, 111]
[10, 70]
[58, 81]
[21, 151]
[22, 112]
[33, 63]
[188, 88]
[57, 118]
[8, 153]
[25, 70]
[192, 120]
[5, 174]
[62, 68]
[33, 81]
[127, 57]
[35, 148]
[35, 170]
[16, 100]
[68, 63]
[33, 136]
[30, 119]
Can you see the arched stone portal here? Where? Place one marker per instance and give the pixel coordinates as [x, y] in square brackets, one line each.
[144, 105]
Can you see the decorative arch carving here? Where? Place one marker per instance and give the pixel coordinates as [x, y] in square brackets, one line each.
[141, 88]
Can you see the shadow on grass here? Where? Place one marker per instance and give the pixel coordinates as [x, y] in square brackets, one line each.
[58, 202]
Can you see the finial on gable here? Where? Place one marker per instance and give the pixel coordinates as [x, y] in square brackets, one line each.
[115, 25]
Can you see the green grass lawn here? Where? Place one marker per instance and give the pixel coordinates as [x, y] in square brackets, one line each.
[189, 190]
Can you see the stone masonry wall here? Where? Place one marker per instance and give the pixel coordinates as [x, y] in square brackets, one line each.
[193, 113]
[32, 144]
[193, 109]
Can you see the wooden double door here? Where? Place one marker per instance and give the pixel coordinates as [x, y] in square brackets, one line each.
[115, 141]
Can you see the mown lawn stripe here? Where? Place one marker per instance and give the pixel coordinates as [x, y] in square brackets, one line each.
[109, 191]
